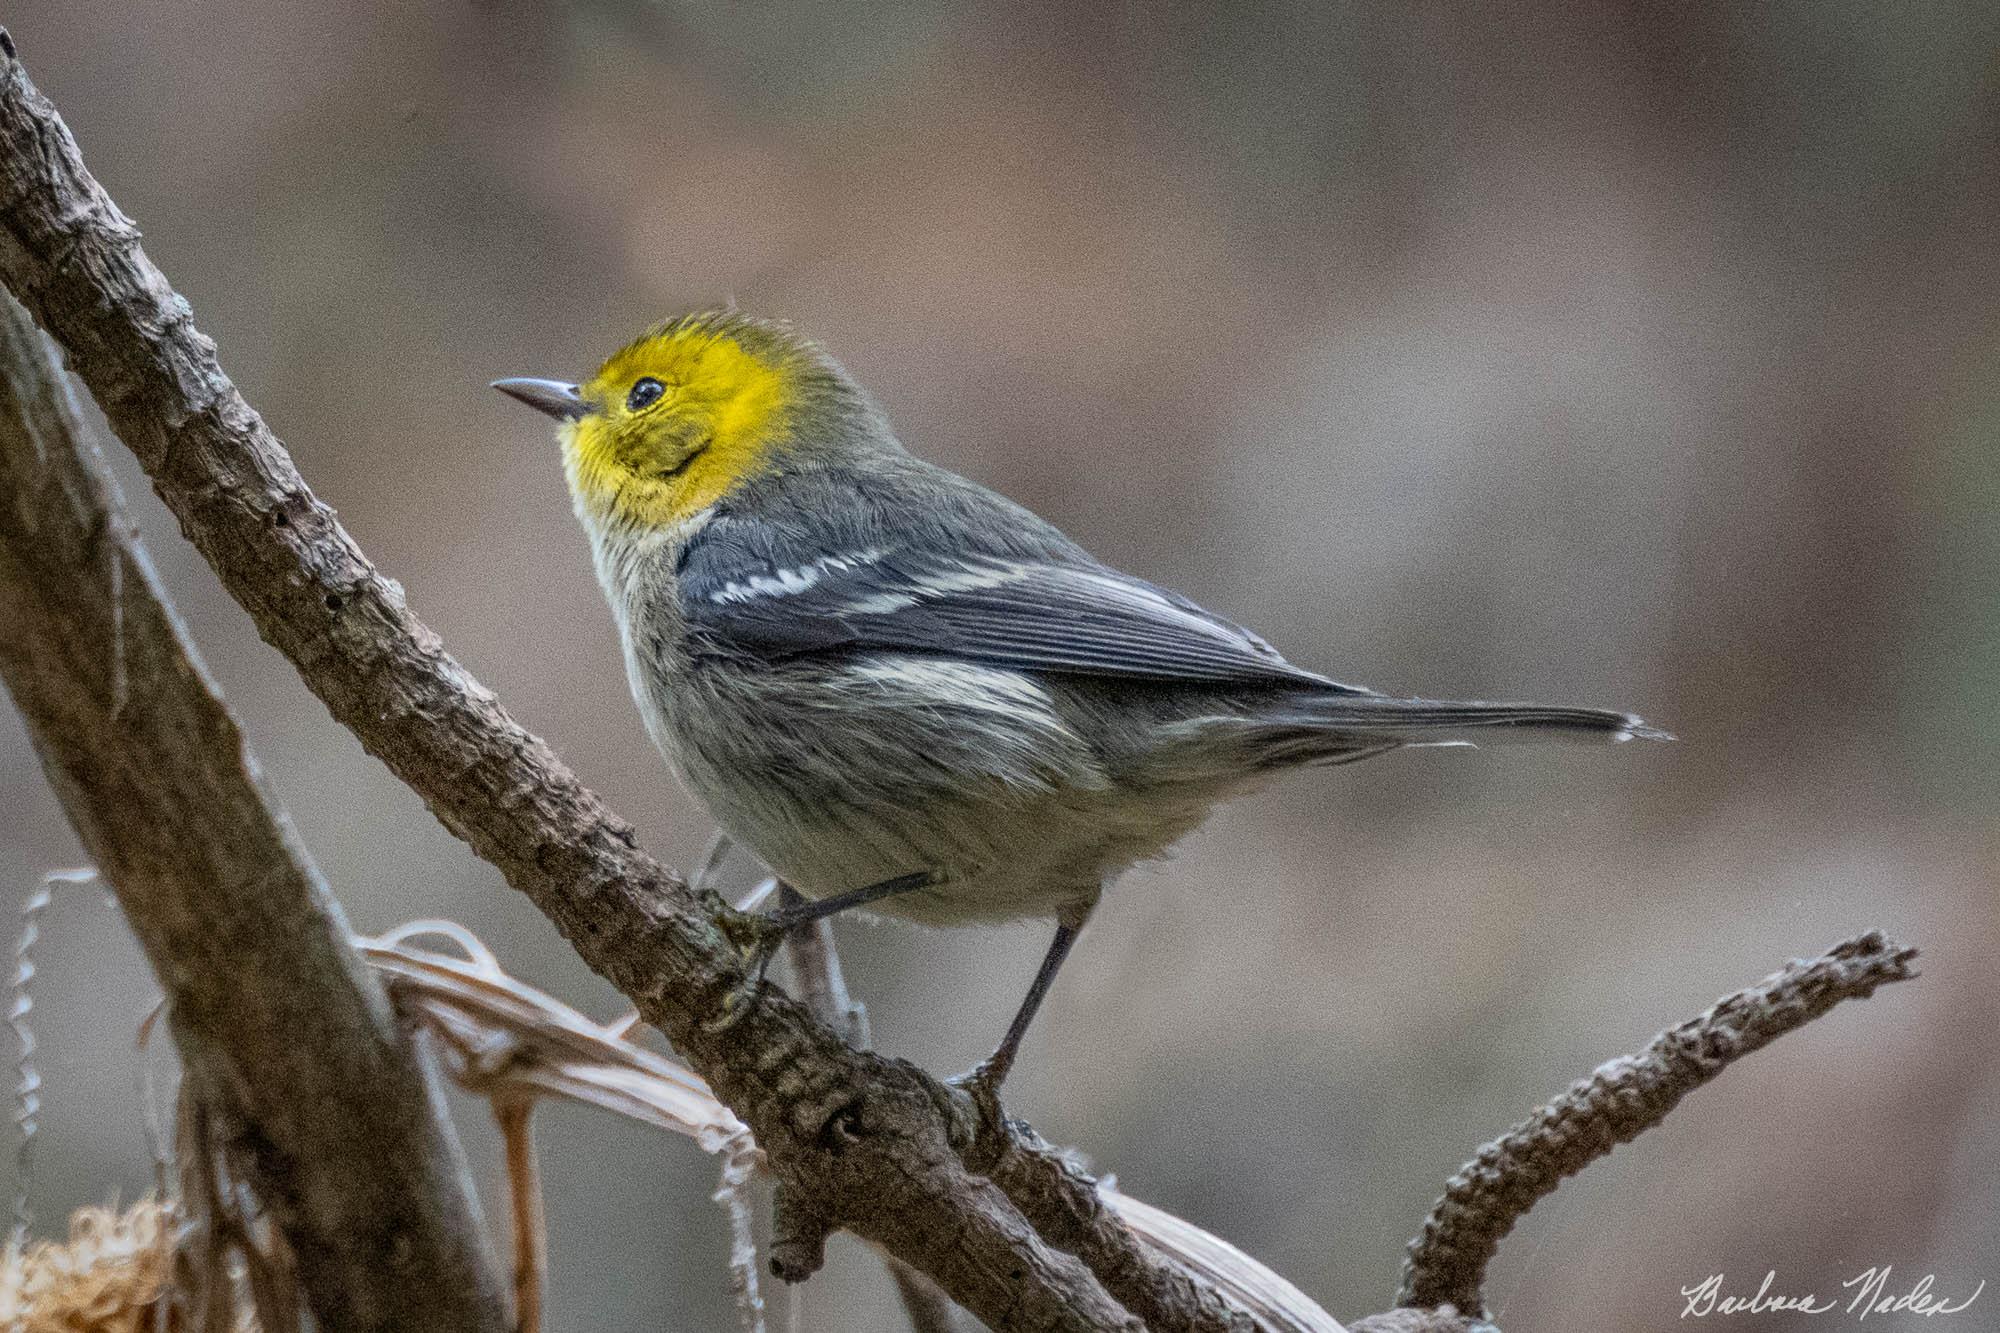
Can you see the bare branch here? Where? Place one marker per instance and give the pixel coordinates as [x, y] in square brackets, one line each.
[873, 1145]
[820, 982]
[274, 1012]
[472, 1006]
[1070, 1208]
[1619, 1101]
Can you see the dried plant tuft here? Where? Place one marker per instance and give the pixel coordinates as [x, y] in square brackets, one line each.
[111, 1276]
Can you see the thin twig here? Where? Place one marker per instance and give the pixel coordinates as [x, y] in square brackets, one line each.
[720, 844]
[516, 1118]
[202, 1280]
[817, 973]
[27, 1078]
[739, 1167]
[1619, 1101]
[161, 1154]
[231, 1262]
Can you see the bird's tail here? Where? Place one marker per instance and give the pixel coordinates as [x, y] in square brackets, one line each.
[1339, 725]
[1381, 719]
[1330, 728]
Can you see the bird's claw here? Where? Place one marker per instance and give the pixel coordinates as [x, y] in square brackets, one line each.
[982, 1084]
[756, 939]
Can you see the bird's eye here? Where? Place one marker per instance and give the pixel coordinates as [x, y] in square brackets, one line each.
[644, 394]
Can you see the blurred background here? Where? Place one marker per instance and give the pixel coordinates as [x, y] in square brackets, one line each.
[1640, 356]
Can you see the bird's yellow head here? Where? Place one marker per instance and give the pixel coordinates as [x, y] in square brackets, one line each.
[685, 413]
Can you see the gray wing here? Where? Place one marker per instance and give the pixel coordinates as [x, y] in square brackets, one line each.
[745, 590]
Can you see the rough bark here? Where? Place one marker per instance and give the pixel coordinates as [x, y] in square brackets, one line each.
[822, 985]
[275, 1013]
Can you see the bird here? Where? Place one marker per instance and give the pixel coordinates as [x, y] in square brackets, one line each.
[904, 692]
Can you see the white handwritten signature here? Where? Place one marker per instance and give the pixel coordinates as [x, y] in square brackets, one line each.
[1869, 1290]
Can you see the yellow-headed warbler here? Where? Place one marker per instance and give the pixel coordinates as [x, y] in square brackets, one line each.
[902, 690]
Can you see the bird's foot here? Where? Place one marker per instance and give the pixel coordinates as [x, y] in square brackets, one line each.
[982, 1084]
[756, 937]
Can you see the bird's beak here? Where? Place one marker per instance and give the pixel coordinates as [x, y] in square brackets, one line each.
[554, 397]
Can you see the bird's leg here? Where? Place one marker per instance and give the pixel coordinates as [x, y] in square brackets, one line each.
[759, 936]
[791, 915]
[719, 848]
[984, 1080]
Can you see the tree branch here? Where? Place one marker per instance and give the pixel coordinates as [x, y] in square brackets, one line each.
[1619, 1101]
[822, 985]
[275, 1013]
[866, 1143]
[477, 1012]
[1065, 1205]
